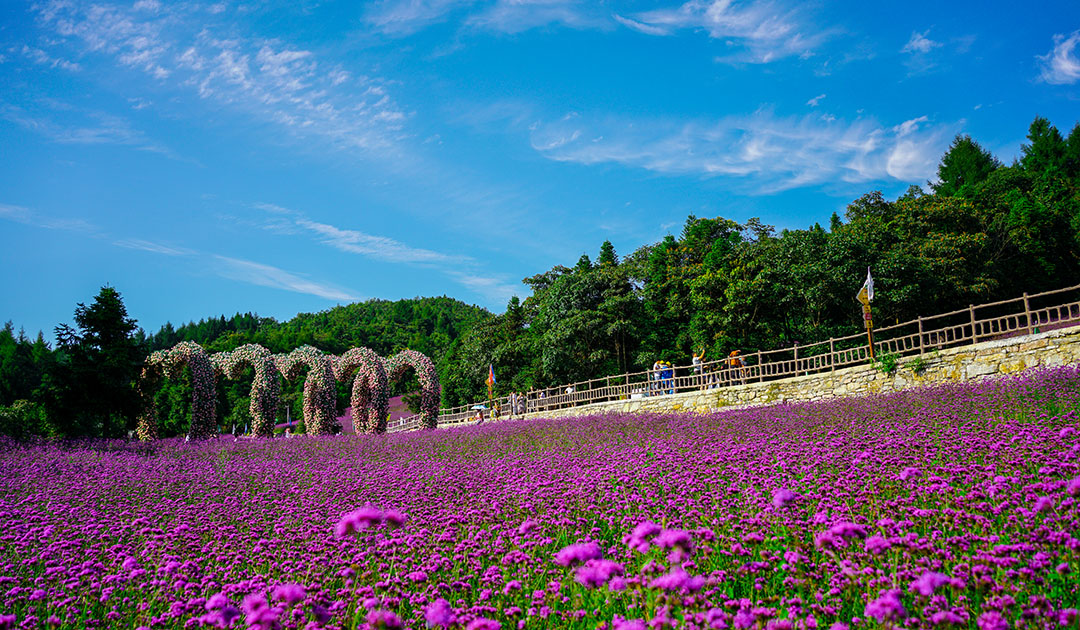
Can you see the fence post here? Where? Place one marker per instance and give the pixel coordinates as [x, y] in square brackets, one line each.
[832, 355]
[974, 334]
[760, 371]
[920, 336]
[1027, 313]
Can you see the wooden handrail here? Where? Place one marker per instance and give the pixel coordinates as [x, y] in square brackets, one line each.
[765, 365]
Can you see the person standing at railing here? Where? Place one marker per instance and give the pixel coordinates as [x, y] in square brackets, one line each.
[654, 378]
[697, 360]
[667, 378]
[737, 366]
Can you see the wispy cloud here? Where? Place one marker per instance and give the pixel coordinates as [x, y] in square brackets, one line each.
[155, 248]
[26, 216]
[379, 247]
[920, 43]
[515, 16]
[814, 101]
[41, 57]
[463, 270]
[69, 125]
[184, 46]
[402, 17]
[242, 270]
[498, 290]
[767, 152]
[269, 276]
[1061, 66]
[763, 31]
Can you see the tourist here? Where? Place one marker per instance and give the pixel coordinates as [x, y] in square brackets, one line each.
[668, 377]
[654, 377]
[479, 416]
[697, 361]
[737, 366]
[495, 412]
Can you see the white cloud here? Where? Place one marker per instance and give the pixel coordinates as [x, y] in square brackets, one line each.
[402, 17]
[1061, 66]
[40, 57]
[458, 268]
[269, 276]
[496, 290]
[515, 16]
[68, 125]
[180, 47]
[378, 247]
[26, 216]
[920, 43]
[767, 152]
[814, 101]
[155, 248]
[763, 30]
[641, 27]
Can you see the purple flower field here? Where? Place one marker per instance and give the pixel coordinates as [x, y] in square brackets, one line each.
[946, 507]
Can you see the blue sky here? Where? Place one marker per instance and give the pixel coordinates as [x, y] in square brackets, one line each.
[282, 157]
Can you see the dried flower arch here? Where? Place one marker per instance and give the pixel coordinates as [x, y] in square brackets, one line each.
[265, 388]
[171, 363]
[430, 390]
[370, 391]
[320, 391]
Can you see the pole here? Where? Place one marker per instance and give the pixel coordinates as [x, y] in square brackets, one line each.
[1027, 313]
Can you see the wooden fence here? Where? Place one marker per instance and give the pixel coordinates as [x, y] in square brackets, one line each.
[995, 320]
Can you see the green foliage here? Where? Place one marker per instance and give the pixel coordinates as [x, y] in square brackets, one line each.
[964, 166]
[917, 365]
[90, 389]
[886, 363]
[24, 419]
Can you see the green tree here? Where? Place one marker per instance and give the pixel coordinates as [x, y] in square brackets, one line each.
[963, 166]
[1046, 153]
[92, 386]
[607, 255]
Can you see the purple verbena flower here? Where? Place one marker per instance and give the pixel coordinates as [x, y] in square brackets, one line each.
[783, 497]
[928, 582]
[438, 614]
[577, 554]
[886, 607]
[289, 593]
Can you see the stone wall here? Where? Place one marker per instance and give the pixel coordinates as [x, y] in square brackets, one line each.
[1007, 356]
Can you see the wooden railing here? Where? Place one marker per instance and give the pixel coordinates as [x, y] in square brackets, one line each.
[995, 320]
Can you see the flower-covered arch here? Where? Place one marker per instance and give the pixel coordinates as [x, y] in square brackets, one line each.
[370, 394]
[171, 363]
[320, 393]
[430, 390]
[265, 388]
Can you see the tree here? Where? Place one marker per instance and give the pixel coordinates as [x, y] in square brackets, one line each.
[92, 386]
[607, 255]
[963, 166]
[1046, 152]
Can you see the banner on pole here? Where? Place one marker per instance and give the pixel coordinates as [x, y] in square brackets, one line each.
[866, 293]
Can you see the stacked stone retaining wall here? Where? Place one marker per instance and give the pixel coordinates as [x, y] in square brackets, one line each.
[989, 358]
